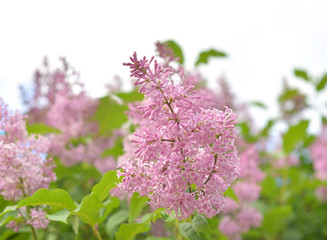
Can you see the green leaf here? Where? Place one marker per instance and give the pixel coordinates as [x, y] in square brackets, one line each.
[10, 235]
[322, 83]
[108, 182]
[111, 204]
[60, 216]
[129, 231]
[246, 132]
[116, 219]
[245, 129]
[265, 131]
[231, 194]
[88, 210]
[3, 203]
[288, 94]
[275, 219]
[324, 119]
[213, 224]
[309, 140]
[110, 115]
[197, 229]
[8, 209]
[259, 104]
[294, 135]
[131, 96]
[177, 50]
[205, 55]
[10, 218]
[40, 128]
[75, 224]
[136, 205]
[301, 74]
[55, 198]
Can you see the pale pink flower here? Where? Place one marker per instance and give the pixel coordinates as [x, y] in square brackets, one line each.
[38, 218]
[24, 167]
[182, 156]
[60, 100]
[230, 228]
[319, 160]
[241, 215]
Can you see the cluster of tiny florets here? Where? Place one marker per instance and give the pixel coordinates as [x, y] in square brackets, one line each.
[60, 100]
[240, 216]
[319, 160]
[181, 156]
[24, 167]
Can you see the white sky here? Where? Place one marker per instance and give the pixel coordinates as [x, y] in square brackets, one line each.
[265, 40]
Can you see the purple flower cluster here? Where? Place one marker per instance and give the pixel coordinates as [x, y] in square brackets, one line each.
[181, 156]
[240, 217]
[319, 159]
[60, 100]
[24, 167]
[38, 218]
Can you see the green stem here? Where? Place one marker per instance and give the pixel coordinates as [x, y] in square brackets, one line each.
[96, 232]
[32, 228]
[33, 232]
[177, 232]
[28, 211]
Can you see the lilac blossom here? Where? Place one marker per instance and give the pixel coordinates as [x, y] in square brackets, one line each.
[230, 228]
[319, 156]
[38, 218]
[182, 156]
[24, 167]
[61, 101]
[240, 216]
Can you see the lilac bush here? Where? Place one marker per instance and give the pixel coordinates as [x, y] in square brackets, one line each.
[192, 164]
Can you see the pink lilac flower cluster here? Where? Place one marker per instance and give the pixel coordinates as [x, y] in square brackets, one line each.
[24, 167]
[47, 85]
[181, 156]
[60, 101]
[207, 98]
[38, 218]
[319, 160]
[240, 216]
